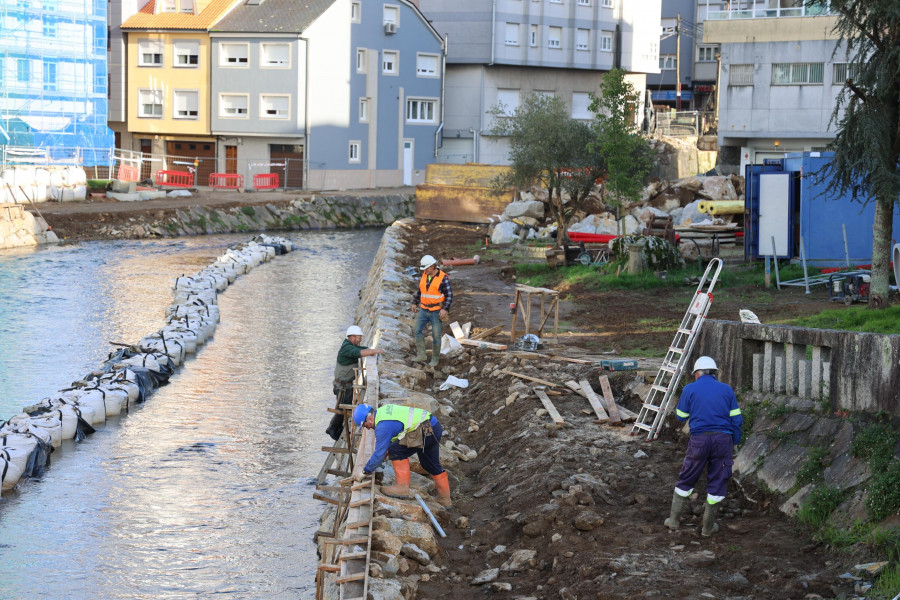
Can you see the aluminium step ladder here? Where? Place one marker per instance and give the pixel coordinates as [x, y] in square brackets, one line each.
[659, 399]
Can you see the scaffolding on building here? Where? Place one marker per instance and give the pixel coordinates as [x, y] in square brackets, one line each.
[53, 78]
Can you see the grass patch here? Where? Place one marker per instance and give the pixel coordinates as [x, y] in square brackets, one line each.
[888, 583]
[854, 318]
[812, 469]
[248, 210]
[819, 505]
[884, 491]
[875, 443]
[98, 185]
[779, 411]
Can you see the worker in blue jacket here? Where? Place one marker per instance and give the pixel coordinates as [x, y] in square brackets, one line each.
[400, 432]
[715, 420]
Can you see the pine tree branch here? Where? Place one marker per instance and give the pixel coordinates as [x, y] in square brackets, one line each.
[858, 25]
[858, 92]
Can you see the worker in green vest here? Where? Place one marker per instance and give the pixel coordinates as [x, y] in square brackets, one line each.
[400, 432]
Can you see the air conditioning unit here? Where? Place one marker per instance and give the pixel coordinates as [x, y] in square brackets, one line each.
[390, 28]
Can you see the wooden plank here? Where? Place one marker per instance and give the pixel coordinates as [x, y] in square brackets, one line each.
[488, 333]
[364, 539]
[325, 498]
[614, 417]
[536, 355]
[534, 379]
[482, 344]
[554, 414]
[594, 400]
[624, 413]
[457, 331]
[336, 450]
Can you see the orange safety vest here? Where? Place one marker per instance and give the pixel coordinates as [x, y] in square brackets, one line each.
[431, 297]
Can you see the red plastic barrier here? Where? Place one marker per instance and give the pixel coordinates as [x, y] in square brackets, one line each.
[590, 238]
[266, 181]
[127, 173]
[180, 179]
[226, 181]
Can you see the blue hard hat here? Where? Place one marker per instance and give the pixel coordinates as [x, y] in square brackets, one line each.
[360, 413]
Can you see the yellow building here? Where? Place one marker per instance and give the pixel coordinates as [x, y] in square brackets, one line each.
[169, 83]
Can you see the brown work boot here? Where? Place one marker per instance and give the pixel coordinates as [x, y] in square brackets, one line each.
[401, 488]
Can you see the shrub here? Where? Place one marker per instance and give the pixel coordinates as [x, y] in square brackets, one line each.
[660, 254]
[884, 491]
[813, 467]
[876, 444]
[819, 505]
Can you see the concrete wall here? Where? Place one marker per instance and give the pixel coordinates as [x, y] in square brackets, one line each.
[19, 228]
[839, 369]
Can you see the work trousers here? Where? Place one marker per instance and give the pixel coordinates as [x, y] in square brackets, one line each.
[423, 318]
[429, 456]
[710, 451]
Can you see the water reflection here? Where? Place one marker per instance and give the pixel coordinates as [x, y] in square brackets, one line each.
[205, 489]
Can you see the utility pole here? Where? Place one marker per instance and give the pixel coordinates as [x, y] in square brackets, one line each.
[678, 62]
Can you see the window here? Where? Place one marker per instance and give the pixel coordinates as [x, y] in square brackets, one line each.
[233, 105]
[363, 110]
[167, 6]
[101, 37]
[150, 103]
[391, 14]
[581, 102]
[150, 53]
[355, 12]
[606, 41]
[509, 100]
[187, 53]
[707, 53]
[581, 39]
[186, 6]
[389, 62]
[512, 34]
[360, 60]
[554, 37]
[533, 36]
[233, 55]
[797, 73]
[427, 65]
[275, 55]
[50, 29]
[740, 75]
[274, 106]
[607, 3]
[354, 152]
[23, 70]
[50, 71]
[668, 62]
[420, 111]
[841, 72]
[186, 103]
[584, 2]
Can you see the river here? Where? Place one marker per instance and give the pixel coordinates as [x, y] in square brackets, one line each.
[206, 489]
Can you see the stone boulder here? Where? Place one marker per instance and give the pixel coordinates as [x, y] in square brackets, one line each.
[533, 209]
[409, 532]
[504, 233]
[718, 188]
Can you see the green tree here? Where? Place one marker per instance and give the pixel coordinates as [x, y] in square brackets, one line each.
[626, 154]
[867, 116]
[550, 149]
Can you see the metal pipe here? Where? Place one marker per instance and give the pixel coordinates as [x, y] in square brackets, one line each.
[803, 260]
[437, 526]
[775, 259]
[461, 261]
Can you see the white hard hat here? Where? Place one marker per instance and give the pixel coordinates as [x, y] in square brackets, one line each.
[354, 330]
[705, 363]
[427, 261]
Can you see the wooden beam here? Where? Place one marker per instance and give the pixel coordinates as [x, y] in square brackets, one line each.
[624, 413]
[610, 401]
[534, 379]
[488, 333]
[594, 400]
[482, 344]
[534, 355]
[457, 330]
[554, 414]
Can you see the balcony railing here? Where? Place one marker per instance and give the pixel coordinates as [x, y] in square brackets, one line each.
[767, 13]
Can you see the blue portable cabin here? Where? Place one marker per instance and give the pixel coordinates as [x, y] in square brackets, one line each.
[787, 200]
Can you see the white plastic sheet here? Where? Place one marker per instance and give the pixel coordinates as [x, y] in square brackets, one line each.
[454, 382]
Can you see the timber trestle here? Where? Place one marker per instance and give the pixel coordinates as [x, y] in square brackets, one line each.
[346, 545]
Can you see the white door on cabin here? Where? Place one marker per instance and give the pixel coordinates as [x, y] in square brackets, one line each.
[407, 162]
[774, 213]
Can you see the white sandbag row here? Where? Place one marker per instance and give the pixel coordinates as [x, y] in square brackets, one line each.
[131, 374]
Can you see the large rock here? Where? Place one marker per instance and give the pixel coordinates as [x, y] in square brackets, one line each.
[504, 233]
[408, 532]
[718, 188]
[631, 225]
[519, 560]
[533, 209]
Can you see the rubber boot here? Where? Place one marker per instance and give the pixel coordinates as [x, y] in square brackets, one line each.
[420, 349]
[709, 520]
[675, 512]
[442, 485]
[336, 427]
[435, 353]
[401, 472]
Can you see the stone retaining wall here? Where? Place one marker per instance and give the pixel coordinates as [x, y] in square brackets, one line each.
[19, 228]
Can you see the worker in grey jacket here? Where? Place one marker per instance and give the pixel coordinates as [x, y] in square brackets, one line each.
[348, 357]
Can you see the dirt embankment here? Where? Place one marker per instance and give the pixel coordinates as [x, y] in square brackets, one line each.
[577, 511]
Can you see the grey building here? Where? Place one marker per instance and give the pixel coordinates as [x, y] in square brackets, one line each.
[780, 77]
[330, 94]
[499, 51]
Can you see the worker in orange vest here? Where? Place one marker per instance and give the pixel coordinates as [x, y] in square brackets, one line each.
[432, 301]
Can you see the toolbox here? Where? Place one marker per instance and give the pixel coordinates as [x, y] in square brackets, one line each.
[619, 365]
